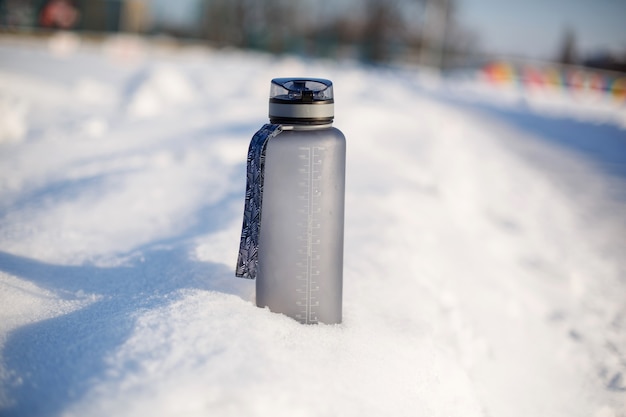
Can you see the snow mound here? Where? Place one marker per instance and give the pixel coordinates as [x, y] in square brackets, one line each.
[94, 92]
[13, 125]
[161, 90]
[187, 346]
[589, 107]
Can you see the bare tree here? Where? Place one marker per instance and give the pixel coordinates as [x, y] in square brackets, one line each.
[382, 25]
[567, 51]
[382, 30]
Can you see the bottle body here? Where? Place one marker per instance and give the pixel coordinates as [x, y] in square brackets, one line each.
[300, 258]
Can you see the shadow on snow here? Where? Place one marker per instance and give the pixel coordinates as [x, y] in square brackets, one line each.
[55, 359]
[50, 364]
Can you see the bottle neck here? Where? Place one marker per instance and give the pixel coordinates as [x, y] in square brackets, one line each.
[296, 126]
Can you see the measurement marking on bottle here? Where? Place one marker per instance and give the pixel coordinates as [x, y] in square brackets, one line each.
[310, 182]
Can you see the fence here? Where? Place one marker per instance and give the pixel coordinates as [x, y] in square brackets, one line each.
[567, 79]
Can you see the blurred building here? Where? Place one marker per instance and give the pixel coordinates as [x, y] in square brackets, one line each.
[87, 15]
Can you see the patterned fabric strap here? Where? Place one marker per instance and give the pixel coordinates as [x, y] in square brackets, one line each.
[248, 258]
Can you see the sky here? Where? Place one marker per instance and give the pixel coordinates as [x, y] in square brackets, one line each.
[536, 28]
[528, 28]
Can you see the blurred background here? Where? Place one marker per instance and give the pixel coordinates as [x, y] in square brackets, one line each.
[558, 44]
[436, 33]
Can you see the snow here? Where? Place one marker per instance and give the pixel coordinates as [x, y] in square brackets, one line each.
[484, 267]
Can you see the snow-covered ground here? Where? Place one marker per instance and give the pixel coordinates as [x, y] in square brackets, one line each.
[485, 267]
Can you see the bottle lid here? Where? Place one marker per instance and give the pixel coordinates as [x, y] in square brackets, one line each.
[301, 101]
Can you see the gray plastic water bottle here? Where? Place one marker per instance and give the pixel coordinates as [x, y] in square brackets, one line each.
[292, 237]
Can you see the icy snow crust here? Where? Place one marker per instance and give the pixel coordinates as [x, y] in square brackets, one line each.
[484, 264]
